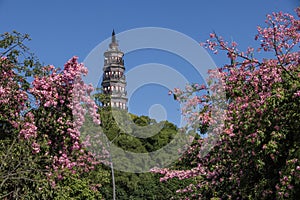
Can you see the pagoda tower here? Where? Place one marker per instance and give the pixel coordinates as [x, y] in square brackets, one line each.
[113, 80]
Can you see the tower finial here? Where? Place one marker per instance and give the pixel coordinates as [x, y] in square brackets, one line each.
[113, 37]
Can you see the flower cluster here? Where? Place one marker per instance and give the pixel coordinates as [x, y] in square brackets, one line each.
[63, 100]
[53, 125]
[12, 97]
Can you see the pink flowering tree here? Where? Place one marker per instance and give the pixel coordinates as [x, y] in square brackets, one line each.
[257, 155]
[17, 163]
[62, 99]
[40, 122]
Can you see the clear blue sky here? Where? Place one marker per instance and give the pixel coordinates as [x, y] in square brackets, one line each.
[61, 29]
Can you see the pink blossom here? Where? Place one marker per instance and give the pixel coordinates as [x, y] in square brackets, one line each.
[297, 94]
[35, 148]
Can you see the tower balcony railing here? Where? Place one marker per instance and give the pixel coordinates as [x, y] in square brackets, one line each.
[118, 96]
[114, 61]
[114, 77]
[116, 93]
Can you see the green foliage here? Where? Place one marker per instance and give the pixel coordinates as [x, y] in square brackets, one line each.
[131, 132]
[124, 131]
[21, 174]
[143, 186]
[12, 46]
[75, 187]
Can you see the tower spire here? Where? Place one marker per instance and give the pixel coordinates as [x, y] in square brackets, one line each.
[114, 44]
[113, 36]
